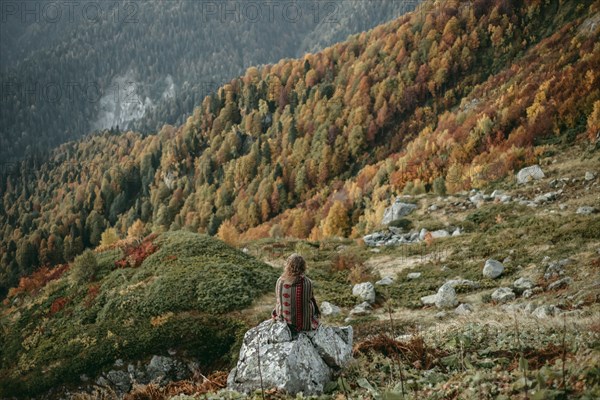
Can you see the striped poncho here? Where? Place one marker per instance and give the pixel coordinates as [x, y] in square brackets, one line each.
[296, 304]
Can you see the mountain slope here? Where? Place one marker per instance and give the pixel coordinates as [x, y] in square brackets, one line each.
[175, 296]
[447, 97]
[69, 69]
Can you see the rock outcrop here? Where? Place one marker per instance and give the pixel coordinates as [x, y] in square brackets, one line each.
[305, 364]
[397, 211]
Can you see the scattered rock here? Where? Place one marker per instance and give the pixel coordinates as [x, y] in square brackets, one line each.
[441, 315]
[456, 232]
[522, 284]
[422, 234]
[365, 291]
[433, 207]
[385, 281]
[547, 197]
[429, 300]
[413, 275]
[120, 380]
[561, 283]
[329, 310]
[440, 233]
[492, 269]
[477, 199]
[590, 176]
[397, 211]
[545, 311]
[556, 268]
[361, 310]
[528, 174]
[305, 365]
[585, 210]
[446, 297]
[463, 309]
[503, 295]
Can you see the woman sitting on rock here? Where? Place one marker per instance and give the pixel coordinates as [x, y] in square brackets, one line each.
[296, 304]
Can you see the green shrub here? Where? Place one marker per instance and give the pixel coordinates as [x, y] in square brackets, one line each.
[85, 267]
[439, 186]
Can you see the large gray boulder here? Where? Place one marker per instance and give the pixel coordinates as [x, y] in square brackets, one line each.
[396, 211]
[305, 364]
[492, 269]
[530, 173]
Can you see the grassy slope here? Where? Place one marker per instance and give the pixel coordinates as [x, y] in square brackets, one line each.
[477, 356]
[173, 300]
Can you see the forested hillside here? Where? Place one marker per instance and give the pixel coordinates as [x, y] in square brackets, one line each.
[448, 98]
[70, 68]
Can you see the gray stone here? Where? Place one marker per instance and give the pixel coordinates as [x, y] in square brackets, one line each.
[120, 380]
[291, 365]
[365, 291]
[528, 293]
[396, 211]
[585, 210]
[503, 295]
[590, 176]
[492, 269]
[477, 199]
[422, 234]
[413, 275]
[118, 363]
[433, 207]
[456, 232]
[164, 369]
[429, 300]
[361, 310]
[547, 197]
[545, 311]
[385, 281]
[463, 309]
[528, 174]
[446, 297]
[560, 284]
[441, 315]
[522, 284]
[440, 233]
[327, 309]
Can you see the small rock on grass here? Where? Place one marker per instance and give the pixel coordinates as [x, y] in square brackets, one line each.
[503, 295]
[492, 269]
[463, 309]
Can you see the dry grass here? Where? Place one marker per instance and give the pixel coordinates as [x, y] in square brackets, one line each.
[212, 383]
[415, 351]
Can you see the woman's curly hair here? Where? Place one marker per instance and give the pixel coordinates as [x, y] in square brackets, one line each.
[294, 266]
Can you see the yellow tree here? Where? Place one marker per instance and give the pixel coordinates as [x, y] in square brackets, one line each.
[228, 233]
[337, 222]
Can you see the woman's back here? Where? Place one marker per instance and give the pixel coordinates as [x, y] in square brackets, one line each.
[294, 294]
